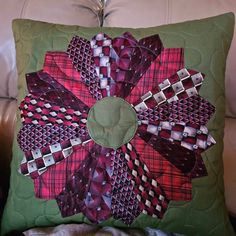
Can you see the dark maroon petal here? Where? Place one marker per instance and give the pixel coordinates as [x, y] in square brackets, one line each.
[91, 185]
[124, 201]
[44, 86]
[133, 59]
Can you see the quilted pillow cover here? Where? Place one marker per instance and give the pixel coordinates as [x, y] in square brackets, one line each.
[134, 126]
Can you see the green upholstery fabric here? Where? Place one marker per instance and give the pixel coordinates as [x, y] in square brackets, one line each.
[206, 43]
[112, 122]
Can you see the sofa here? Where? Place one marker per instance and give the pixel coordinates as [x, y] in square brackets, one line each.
[110, 13]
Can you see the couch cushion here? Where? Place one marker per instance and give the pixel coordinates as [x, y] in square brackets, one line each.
[80, 12]
[157, 12]
[205, 214]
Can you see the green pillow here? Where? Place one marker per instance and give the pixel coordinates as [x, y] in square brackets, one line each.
[206, 43]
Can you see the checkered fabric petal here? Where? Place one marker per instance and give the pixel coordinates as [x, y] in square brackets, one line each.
[124, 204]
[79, 50]
[134, 58]
[151, 197]
[103, 55]
[32, 137]
[59, 66]
[176, 184]
[89, 189]
[164, 66]
[195, 110]
[37, 161]
[39, 111]
[185, 83]
[190, 136]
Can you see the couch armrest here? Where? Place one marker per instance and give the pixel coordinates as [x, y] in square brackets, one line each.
[7, 125]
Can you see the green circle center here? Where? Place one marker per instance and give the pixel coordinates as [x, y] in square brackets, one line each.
[112, 122]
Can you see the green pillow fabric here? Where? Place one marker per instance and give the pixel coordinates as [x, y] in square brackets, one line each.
[206, 43]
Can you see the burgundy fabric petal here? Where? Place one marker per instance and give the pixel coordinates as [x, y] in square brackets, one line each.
[89, 189]
[124, 202]
[79, 51]
[32, 137]
[195, 110]
[177, 185]
[42, 85]
[36, 162]
[151, 197]
[39, 111]
[59, 66]
[164, 66]
[134, 58]
[185, 83]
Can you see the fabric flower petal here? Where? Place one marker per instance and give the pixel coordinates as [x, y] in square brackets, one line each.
[195, 110]
[134, 58]
[39, 111]
[103, 55]
[164, 66]
[177, 185]
[124, 202]
[89, 189]
[59, 66]
[36, 162]
[151, 197]
[42, 85]
[32, 137]
[185, 83]
[51, 183]
[79, 51]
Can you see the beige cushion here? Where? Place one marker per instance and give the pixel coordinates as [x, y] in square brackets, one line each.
[138, 13]
[79, 12]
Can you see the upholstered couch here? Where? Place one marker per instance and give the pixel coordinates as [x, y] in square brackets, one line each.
[111, 13]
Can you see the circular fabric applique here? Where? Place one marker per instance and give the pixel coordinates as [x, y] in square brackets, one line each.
[112, 122]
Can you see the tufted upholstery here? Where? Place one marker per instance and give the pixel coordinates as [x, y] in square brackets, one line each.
[116, 13]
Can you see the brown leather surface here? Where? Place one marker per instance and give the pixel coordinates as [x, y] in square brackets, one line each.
[7, 127]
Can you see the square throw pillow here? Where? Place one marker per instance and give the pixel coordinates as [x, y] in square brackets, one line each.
[120, 127]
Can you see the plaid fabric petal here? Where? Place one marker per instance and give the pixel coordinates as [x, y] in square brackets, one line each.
[124, 203]
[36, 162]
[183, 159]
[151, 197]
[185, 83]
[39, 111]
[89, 189]
[79, 51]
[175, 183]
[51, 183]
[164, 66]
[59, 66]
[134, 58]
[42, 85]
